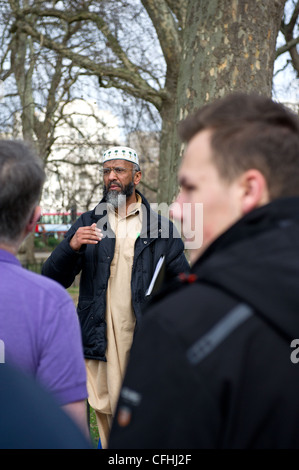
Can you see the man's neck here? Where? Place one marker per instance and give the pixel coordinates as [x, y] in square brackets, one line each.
[10, 248]
[131, 200]
[122, 211]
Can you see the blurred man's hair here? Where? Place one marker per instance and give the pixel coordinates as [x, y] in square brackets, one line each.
[251, 131]
[21, 180]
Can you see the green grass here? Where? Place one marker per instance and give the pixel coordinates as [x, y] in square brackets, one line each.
[94, 432]
[74, 293]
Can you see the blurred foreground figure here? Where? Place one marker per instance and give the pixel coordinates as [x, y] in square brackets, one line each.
[214, 364]
[39, 328]
[31, 418]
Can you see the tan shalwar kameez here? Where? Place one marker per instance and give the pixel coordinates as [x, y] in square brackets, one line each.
[104, 378]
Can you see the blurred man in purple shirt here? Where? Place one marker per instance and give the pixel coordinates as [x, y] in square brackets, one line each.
[39, 329]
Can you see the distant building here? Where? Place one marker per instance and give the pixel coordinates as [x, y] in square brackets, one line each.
[72, 169]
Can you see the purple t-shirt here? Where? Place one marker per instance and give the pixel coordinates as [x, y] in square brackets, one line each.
[39, 330]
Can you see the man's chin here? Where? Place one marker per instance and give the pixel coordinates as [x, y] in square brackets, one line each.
[116, 198]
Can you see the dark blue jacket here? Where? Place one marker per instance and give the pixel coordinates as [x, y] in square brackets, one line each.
[158, 237]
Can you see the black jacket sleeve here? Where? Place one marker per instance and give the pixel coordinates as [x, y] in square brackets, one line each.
[64, 263]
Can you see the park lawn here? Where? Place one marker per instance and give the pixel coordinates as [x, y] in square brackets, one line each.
[94, 432]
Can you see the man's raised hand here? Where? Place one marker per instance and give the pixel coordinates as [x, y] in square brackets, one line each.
[89, 235]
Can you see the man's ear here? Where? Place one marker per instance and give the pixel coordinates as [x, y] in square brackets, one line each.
[255, 191]
[35, 216]
[137, 177]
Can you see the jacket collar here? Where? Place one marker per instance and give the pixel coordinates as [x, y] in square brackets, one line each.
[256, 261]
[280, 212]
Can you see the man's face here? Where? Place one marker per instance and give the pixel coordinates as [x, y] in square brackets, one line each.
[119, 182]
[206, 202]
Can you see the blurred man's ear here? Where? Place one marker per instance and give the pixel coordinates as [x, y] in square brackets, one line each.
[137, 177]
[255, 191]
[35, 216]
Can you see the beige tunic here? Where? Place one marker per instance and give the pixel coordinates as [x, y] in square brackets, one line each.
[105, 378]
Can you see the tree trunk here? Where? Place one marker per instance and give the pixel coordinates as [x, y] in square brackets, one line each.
[23, 78]
[167, 183]
[227, 46]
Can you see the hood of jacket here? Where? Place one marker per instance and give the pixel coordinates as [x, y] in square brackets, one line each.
[257, 261]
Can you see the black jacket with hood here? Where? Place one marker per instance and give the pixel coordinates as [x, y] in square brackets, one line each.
[215, 364]
[158, 237]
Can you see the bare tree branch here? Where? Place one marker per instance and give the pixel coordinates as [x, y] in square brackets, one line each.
[136, 85]
[287, 47]
[291, 42]
[179, 8]
[166, 29]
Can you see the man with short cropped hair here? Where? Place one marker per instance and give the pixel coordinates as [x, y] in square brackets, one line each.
[39, 328]
[213, 364]
[117, 247]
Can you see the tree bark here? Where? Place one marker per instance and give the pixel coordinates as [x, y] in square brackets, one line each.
[167, 163]
[227, 46]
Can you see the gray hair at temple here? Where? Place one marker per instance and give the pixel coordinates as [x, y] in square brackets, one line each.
[21, 181]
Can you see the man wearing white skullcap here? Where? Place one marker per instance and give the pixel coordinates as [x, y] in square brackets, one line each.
[117, 247]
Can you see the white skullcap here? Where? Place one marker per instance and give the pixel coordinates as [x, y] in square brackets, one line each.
[121, 153]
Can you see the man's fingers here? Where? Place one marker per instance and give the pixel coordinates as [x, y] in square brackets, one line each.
[86, 236]
[88, 241]
[91, 233]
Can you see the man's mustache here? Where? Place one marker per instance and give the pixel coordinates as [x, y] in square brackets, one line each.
[113, 184]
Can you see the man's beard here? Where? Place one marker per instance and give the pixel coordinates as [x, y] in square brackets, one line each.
[118, 198]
